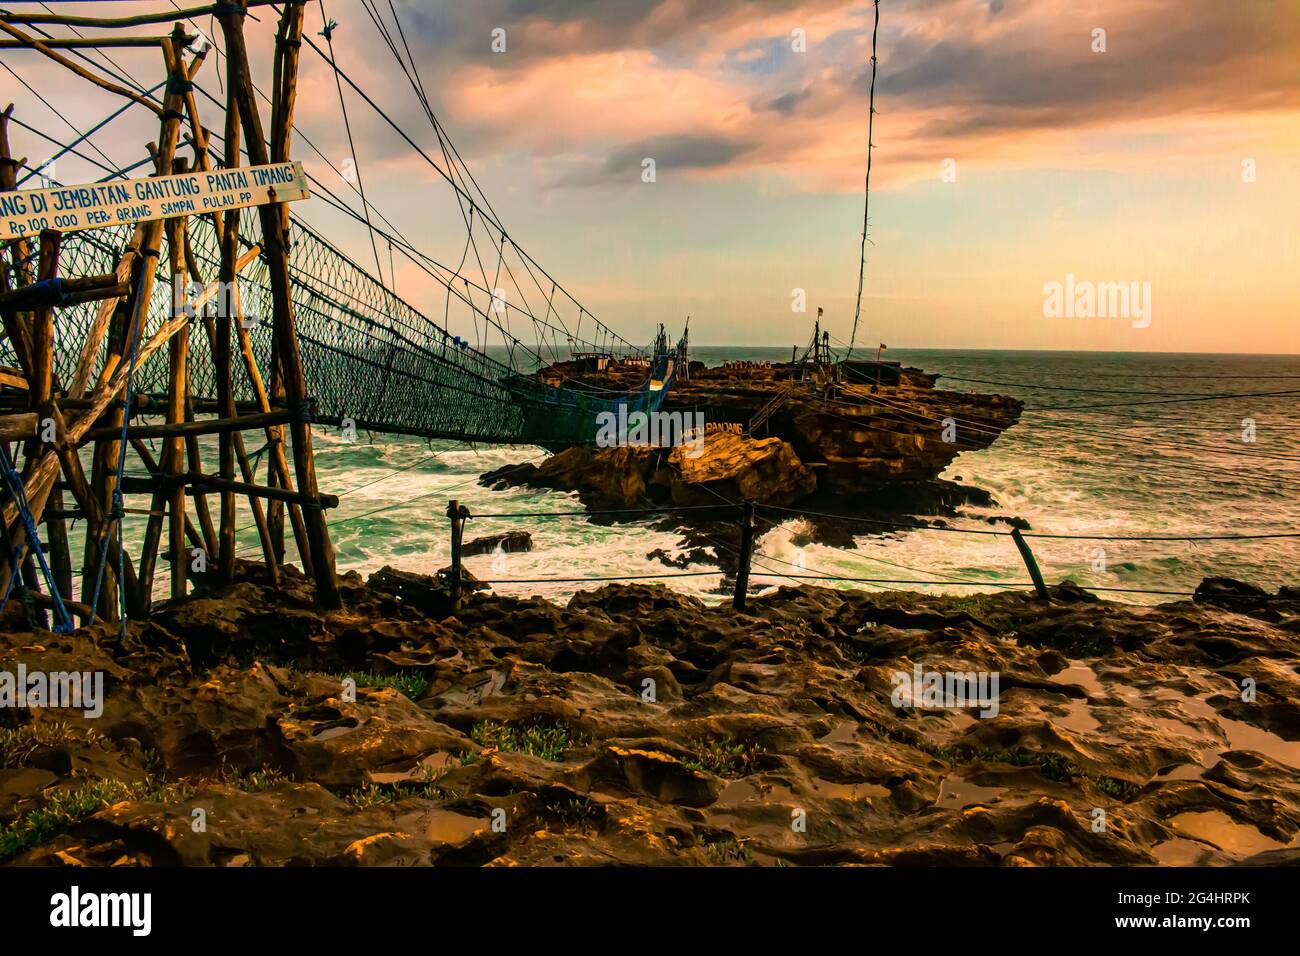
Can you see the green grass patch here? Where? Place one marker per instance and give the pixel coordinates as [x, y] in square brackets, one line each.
[1114, 787]
[18, 744]
[371, 795]
[549, 741]
[66, 807]
[256, 781]
[724, 758]
[576, 812]
[375, 795]
[854, 651]
[726, 852]
[411, 684]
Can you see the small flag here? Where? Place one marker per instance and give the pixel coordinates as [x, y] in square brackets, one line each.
[882, 346]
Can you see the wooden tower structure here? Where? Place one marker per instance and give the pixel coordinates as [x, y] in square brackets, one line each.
[65, 443]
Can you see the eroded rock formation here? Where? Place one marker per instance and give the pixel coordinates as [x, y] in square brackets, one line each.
[778, 434]
[637, 725]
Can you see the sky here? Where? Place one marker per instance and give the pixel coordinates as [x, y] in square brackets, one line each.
[1018, 144]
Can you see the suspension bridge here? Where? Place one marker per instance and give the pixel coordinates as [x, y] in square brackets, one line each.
[156, 316]
[370, 358]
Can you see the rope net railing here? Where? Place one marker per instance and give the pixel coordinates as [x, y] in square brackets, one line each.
[369, 357]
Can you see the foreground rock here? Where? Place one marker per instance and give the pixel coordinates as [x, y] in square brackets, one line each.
[636, 725]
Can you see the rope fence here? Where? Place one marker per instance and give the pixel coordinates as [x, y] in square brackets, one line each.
[459, 514]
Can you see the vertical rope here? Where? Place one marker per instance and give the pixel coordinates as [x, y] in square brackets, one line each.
[866, 203]
[16, 490]
[328, 33]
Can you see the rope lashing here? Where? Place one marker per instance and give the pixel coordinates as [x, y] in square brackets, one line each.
[14, 482]
[49, 293]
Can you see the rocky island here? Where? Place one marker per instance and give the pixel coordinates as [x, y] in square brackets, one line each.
[851, 434]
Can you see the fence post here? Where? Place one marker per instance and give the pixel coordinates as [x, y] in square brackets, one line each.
[457, 513]
[746, 553]
[1034, 574]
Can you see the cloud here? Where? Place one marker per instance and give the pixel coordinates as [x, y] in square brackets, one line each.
[786, 104]
[683, 151]
[955, 77]
[675, 152]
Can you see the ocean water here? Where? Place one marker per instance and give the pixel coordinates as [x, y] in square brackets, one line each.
[1161, 467]
[1124, 456]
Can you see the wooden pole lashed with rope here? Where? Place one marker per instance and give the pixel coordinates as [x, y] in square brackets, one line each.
[288, 360]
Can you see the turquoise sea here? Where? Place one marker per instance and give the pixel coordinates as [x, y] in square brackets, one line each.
[1108, 446]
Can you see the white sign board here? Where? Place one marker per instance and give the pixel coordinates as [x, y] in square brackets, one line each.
[26, 212]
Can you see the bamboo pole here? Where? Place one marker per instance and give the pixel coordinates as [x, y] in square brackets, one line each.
[103, 316]
[15, 328]
[274, 239]
[194, 459]
[174, 445]
[103, 476]
[136, 20]
[77, 43]
[228, 236]
[42, 398]
[82, 72]
[277, 460]
[179, 430]
[19, 336]
[19, 427]
[131, 321]
[168, 483]
[72, 292]
[227, 408]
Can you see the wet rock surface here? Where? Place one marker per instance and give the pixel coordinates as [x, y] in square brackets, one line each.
[635, 725]
[508, 541]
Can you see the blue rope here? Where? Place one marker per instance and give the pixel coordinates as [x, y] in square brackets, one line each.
[119, 511]
[14, 480]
